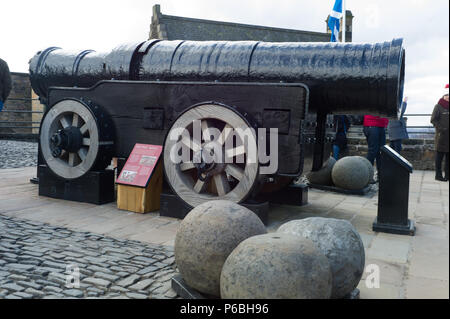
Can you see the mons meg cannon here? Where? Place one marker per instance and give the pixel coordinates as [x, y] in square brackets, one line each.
[100, 104]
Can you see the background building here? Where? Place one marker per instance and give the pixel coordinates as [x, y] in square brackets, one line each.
[167, 27]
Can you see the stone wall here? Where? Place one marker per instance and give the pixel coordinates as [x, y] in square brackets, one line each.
[419, 152]
[19, 99]
[36, 106]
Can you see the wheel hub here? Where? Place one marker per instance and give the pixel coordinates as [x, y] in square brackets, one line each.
[207, 164]
[69, 139]
[201, 162]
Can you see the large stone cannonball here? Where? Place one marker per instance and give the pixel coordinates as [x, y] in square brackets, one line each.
[340, 242]
[369, 166]
[205, 238]
[322, 176]
[276, 266]
[350, 173]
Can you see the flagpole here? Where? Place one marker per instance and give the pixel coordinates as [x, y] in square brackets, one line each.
[344, 14]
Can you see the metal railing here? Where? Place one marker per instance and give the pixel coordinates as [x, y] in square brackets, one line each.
[420, 130]
[16, 127]
[31, 122]
[415, 131]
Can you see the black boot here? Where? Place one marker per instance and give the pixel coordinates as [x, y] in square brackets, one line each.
[438, 166]
[446, 168]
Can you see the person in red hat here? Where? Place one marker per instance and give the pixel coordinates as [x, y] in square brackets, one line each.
[439, 119]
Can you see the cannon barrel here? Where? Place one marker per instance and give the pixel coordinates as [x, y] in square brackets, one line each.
[342, 77]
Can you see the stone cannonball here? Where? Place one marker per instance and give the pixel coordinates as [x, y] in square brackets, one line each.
[369, 166]
[340, 242]
[322, 176]
[350, 173]
[205, 238]
[276, 266]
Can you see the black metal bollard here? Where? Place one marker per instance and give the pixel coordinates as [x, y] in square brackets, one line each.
[393, 194]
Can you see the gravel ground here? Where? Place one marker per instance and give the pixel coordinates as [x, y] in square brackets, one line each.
[14, 154]
[38, 261]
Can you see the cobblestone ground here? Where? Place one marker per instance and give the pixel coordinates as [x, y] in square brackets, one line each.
[35, 261]
[14, 154]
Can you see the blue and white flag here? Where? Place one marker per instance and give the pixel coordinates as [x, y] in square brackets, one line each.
[334, 20]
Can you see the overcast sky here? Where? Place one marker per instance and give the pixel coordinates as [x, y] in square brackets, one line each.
[29, 26]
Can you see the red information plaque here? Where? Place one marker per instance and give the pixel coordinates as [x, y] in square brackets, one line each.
[140, 165]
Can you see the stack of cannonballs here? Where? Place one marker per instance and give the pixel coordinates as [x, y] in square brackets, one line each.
[350, 173]
[223, 250]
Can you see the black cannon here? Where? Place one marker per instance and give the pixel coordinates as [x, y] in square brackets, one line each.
[100, 104]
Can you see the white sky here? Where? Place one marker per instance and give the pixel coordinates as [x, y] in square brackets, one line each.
[29, 26]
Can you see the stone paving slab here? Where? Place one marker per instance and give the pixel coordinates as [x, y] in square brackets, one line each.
[426, 288]
[404, 261]
[385, 291]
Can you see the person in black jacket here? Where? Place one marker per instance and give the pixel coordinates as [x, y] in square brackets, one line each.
[397, 129]
[5, 82]
[440, 120]
[342, 123]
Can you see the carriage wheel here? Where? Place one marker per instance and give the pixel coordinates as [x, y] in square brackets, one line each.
[76, 138]
[222, 161]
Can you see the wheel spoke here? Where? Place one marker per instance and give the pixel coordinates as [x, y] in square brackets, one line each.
[82, 153]
[192, 144]
[75, 120]
[86, 141]
[224, 134]
[222, 185]
[205, 131]
[199, 186]
[84, 129]
[64, 121]
[71, 159]
[186, 166]
[235, 171]
[240, 150]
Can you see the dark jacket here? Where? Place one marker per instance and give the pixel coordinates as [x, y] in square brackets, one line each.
[397, 128]
[5, 81]
[342, 123]
[439, 119]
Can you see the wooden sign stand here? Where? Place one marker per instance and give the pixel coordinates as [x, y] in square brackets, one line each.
[138, 199]
[140, 196]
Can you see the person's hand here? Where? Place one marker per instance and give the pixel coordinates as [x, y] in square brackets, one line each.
[405, 99]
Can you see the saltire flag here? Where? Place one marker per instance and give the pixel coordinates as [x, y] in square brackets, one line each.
[334, 20]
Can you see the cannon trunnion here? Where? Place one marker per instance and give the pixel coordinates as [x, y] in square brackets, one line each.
[100, 104]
